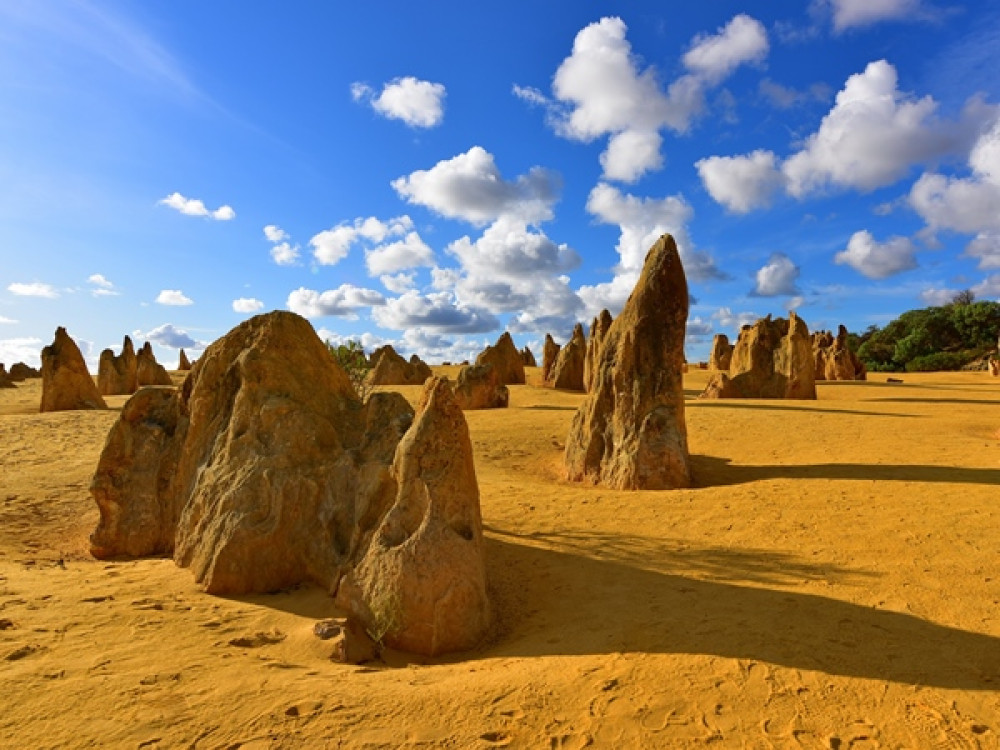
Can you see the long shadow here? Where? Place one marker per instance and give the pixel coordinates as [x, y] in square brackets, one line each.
[562, 602]
[710, 471]
[984, 402]
[782, 405]
[544, 407]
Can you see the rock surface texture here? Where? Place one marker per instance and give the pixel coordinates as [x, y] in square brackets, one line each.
[771, 359]
[630, 431]
[598, 331]
[550, 352]
[421, 585]
[118, 375]
[20, 372]
[527, 358]
[505, 357]
[148, 371]
[183, 363]
[722, 353]
[479, 387]
[567, 372]
[390, 368]
[834, 359]
[5, 379]
[264, 470]
[66, 382]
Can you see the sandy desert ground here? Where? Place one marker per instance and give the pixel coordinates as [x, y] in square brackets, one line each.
[831, 582]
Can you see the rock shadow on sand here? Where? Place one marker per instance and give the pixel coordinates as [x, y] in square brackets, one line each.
[564, 603]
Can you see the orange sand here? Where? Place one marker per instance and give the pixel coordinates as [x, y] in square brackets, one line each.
[832, 582]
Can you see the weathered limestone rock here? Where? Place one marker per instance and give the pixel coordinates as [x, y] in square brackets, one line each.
[20, 372]
[66, 382]
[598, 330]
[183, 363]
[550, 352]
[5, 380]
[722, 353]
[479, 387]
[148, 370]
[505, 357]
[567, 372]
[119, 375]
[995, 367]
[771, 359]
[630, 431]
[389, 368]
[834, 359]
[527, 358]
[421, 585]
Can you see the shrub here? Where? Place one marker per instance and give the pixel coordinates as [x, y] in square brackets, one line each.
[352, 359]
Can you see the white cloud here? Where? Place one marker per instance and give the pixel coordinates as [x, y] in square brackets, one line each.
[469, 186]
[195, 207]
[742, 40]
[409, 252]
[6, 320]
[632, 153]
[437, 312]
[741, 183]
[101, 286]
[938, 297]
[27, 350]
[168, 335]
[777, 277]
[988, 288]
[985, 247]
[344, 301]
[420, 104]
[173, 297]
[508, 249]
[285, 254]
[34, 289]
[247, 305]
[734, 321]
[848, 14]
[275, 234]
[399, 283]
[877, 260]
[530, 95]
[332, 245]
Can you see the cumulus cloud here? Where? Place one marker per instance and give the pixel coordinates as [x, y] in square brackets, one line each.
[34, 289]
[247, 305]
[399, 283]
[25, 349]
[101, 287]
[419, 104]
[985, 247]
[275, 234]
[437, 312]
[988, 288]
[777, 277]
[170, 336]
[173, 297]
[409, 252]
[601, 91]
[195, 207]
[283, 252]
[877, 260]
[741, 183]
[470, 187]
[344, 301]
[734, 321]
[332, 245]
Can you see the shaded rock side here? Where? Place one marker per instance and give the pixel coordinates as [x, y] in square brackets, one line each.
[20, 372]
[390, 368]
[66, 382]
[598, 331]
[834, 359]
[722, 353]
[183, 363]
[567, 372]
[505, 358]
[119, 375]
[479, 387]
[630, 431]
[550, 352]
[421, 585]
[527, 358]
[5, 379]
[148, 370]
[275, 473]
[995, 367]
[771, 359]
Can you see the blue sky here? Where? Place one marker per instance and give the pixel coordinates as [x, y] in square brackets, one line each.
[431, 174]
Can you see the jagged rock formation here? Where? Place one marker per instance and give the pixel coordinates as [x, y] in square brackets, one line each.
[183, 363]
[389, 368]
[479, 387]
[598, 330]
[147, 370]
[567, 372]
[421, 585]
[550, 351]
[265, 470]
[722, 353]
[5, 379]
[771, 359]
[834, 358]
[505, 357]
[630, 431]
[118, 375]
[66, 382]
[20, 372]
[527, 358]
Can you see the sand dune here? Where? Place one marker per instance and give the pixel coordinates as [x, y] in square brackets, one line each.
[831, 581]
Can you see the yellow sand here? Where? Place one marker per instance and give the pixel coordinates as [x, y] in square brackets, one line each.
[832, 582]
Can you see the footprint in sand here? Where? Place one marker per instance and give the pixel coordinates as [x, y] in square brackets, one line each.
[258, 639]
[21, 652]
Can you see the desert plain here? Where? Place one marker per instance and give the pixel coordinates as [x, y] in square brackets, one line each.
[831, 581]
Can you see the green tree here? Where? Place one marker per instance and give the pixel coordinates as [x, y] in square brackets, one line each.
[351, 357]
